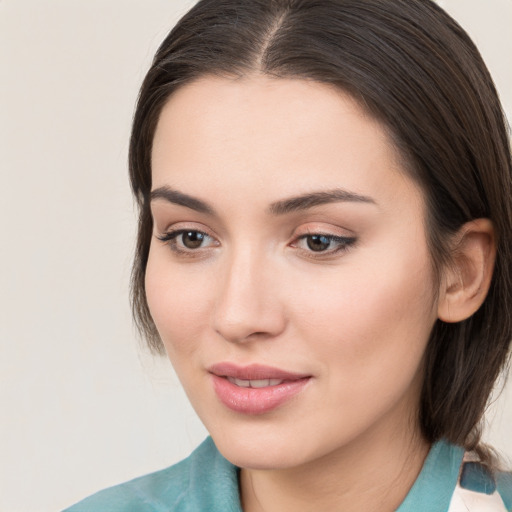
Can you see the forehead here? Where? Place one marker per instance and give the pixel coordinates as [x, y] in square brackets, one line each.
[272, 137]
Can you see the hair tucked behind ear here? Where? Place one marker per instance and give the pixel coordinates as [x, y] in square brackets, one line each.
[411, 66]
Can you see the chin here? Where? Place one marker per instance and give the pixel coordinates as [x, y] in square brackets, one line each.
[261, 448]
[257, 454]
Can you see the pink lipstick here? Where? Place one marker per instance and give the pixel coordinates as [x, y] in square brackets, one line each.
[255, 389]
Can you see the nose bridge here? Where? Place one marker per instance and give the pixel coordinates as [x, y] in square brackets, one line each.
[246, 303]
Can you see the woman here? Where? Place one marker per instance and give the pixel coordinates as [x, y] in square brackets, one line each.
[324, 254]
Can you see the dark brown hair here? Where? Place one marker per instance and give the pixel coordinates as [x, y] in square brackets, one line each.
[416, 70]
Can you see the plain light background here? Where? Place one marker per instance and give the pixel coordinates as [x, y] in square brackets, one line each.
[82, 406]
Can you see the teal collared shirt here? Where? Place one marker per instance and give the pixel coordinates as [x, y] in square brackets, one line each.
[207, 482]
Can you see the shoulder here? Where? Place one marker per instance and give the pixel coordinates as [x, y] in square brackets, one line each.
[504, 485]
[187, 486]
[454, 481]
[480, 490]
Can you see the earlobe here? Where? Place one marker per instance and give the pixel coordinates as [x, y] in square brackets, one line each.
[467, 278]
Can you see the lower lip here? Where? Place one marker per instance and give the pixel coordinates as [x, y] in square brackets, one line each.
[256, 400]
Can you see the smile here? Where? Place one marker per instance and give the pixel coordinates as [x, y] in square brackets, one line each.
[260, 383]
[255, 389]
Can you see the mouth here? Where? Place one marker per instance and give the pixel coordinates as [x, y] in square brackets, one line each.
[254, 373]
[256, 383]
[255, 389]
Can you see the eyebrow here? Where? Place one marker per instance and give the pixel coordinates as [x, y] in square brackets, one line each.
[181, 199]
[305, 201]
[282, 207]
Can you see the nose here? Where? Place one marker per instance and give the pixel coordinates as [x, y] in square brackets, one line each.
[248, 305]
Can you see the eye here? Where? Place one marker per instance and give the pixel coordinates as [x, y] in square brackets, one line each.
[323, 243]
[187, 240]
[318, 242]
[192, 239]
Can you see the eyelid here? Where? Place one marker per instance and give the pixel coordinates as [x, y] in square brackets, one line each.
[344, 241]
[165, 225]
[347, 240]
[322, 228]
[170, 235]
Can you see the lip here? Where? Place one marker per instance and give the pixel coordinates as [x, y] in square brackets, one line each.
[253, 372]
[260, 400]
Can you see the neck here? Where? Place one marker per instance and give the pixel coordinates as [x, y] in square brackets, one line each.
[371, 473]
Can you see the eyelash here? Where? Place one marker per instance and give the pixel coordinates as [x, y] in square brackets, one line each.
[170, 239]
[344, 243]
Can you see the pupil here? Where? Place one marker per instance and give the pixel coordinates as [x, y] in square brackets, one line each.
[192, 239]
[318, 242]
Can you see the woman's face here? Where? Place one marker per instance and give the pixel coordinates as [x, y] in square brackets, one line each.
[288, 274]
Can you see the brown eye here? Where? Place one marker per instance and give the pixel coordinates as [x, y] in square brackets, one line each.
[188, 240]
[323, 245]
[318, 242]
[192, 239]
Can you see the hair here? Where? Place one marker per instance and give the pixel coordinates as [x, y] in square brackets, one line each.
[412, 67]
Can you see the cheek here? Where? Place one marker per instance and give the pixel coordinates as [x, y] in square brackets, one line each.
[370, 336]
[179, 306]
[372, 319]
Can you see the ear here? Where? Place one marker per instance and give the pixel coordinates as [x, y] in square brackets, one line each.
[467, 277]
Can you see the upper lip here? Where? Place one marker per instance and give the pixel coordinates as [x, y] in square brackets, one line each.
[253, 372]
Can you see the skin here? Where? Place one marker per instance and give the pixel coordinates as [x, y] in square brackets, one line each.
[356, 320]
